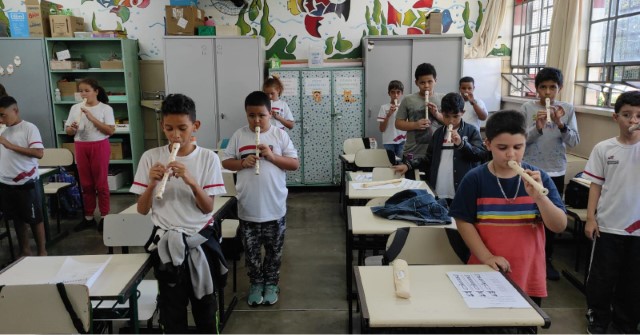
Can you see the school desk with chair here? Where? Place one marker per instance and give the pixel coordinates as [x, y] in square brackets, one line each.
[434, 302]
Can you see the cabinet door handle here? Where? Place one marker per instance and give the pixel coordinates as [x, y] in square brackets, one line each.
[369, 113]
[306, 130]
[222, 115]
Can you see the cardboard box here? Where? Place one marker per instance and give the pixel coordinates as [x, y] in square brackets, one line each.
[227, 30]
[111, 64]
[71, 146]
[117, 151]
[68, 88]
[38, 17]
[117, 179]
[65, 26]
[67, 64]
[183, 20]
[434, 23]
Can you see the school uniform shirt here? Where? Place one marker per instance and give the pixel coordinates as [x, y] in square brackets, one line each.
[87, 131]
[615, 167]
[509, 228]
[281, 108]
[261, 197]
[548, 150]
[15, 168]
[412, 108]
[469, 116]
[177, 210]
[391, 135]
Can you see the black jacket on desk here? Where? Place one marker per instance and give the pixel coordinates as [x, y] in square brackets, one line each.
[469, 154]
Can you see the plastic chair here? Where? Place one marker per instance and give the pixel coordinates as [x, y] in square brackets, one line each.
[39, 309]
[56, 158]
[384, 174]
[372, 158]
[231, 245]
[353, 145]
[129, 230]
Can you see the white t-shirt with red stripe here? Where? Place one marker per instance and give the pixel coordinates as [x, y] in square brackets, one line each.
[391, 135]
[615, 166]
[261, 197]
[177, 210]
[15, 168]
[281, 108]
[87, 131]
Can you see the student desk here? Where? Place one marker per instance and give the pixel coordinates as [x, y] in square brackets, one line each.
[367, 194]
[118, 281]
[347, 164]
[579, 217]
[366, 231]
[434, 302]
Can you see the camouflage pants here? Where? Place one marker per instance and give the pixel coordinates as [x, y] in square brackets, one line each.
[269, 235]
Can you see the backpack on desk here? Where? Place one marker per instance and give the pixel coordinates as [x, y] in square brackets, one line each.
[576, 195]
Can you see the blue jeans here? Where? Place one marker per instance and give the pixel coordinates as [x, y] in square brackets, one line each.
[396, 148]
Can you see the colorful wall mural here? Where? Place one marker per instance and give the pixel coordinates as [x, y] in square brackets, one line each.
[290, 27]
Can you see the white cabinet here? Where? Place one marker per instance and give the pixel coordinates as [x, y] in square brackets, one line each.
[217, 73]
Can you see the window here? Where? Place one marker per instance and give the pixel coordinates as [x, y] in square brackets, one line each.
[613, 57]
[531, 23]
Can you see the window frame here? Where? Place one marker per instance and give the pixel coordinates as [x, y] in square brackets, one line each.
[607, 88]
[523, 72]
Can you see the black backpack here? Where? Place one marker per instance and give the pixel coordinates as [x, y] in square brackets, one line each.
[576, 195]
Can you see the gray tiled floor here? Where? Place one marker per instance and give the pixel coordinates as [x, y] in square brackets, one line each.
[312, 274]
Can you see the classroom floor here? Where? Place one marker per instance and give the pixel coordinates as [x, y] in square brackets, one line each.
[312, 274]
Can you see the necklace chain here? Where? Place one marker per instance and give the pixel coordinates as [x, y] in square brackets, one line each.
[500, 185]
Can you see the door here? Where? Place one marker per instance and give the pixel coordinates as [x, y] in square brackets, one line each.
[189, 69]
[239, 69]
[446, 54]
[347, 112]
[29, 83]
[388, 59]
[316, 112]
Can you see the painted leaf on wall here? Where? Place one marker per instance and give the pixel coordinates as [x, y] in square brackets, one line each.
[409, 18]
[377, 10]
[328, 46]
[291, 47]
[468, 33]
[266, 29]
[480, 16]
[241, 23]
[342, 45]
[253, 10]
[384, 30]
[94, 25]
[279, 49]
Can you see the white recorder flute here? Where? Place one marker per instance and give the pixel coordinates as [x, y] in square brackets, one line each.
[634, 127]
[395, 102]
[547, 103]
[163, 183]
[84, 104]
[449, 131]
[257, 150]
[382, 182]
[519, 170]
[426, 104]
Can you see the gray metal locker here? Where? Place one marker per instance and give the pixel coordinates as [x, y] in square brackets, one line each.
[396, 57]
[29, 82]
[217, 73]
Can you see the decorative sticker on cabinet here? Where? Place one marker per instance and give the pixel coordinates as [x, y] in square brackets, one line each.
[311, 85]
[348, 96]
[317, 96]
[351, 84]
[290, 87]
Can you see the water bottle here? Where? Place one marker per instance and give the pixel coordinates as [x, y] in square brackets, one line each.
[57, 95]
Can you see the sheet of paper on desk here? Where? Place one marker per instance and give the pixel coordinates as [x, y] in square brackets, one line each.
[73, 271]
[364, 177]
[487, 290]
[405, 184]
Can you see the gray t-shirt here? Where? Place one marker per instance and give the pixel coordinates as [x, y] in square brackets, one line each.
[412, 108]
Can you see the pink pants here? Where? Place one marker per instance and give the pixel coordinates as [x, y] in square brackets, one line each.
[92, 159]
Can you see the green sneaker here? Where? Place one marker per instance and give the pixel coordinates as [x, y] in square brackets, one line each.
[271, 294]
[255, 294]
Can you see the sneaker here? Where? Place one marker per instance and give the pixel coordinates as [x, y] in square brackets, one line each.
[85, 224]
[271, 294]
[255, 294]
[552, 273]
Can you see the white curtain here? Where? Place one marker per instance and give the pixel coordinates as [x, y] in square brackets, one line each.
[489, 30]
[563, 43]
